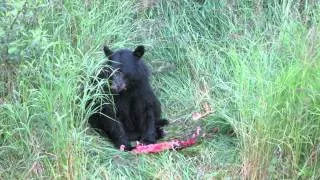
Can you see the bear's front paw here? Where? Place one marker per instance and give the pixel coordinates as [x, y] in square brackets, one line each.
[126, 147]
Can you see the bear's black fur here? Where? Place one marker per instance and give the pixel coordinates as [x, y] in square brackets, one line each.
[136, 115]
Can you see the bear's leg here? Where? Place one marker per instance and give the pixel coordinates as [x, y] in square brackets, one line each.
[162, 122]
[149, 130]
[159, 124]
[160, 133]
[117, 134]
[112, 128]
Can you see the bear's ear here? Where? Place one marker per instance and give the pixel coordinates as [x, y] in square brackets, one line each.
[107, 51]
[139, 51]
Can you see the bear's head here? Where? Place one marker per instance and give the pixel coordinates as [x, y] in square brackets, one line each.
[127, 69]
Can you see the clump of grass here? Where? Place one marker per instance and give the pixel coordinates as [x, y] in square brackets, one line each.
[253, 64]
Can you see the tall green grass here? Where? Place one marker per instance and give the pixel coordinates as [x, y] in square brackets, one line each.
[254, 64]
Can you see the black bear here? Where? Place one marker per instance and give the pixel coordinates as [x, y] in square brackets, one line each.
[136, 114]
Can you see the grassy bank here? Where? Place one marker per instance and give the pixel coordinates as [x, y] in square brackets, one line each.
[255, 66]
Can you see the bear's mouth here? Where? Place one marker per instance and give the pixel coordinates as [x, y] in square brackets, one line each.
[118, 83]
[118, 87]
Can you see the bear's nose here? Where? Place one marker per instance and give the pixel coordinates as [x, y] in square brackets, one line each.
[115, 89]
[118, 88]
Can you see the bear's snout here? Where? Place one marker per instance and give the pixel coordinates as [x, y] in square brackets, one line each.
[118, 83]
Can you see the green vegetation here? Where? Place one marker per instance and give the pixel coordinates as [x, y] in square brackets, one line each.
[254, 64]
